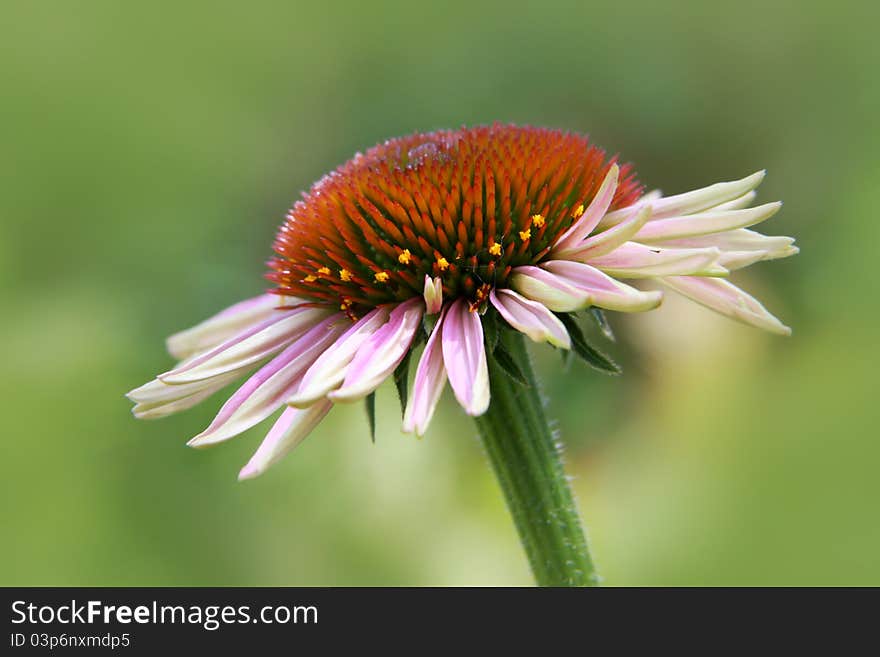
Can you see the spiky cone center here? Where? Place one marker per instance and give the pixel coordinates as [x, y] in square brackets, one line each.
[464, 205]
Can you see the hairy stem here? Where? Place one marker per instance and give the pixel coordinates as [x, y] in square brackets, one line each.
[527, 463]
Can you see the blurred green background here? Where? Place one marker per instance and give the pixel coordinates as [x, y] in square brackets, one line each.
[149, 151]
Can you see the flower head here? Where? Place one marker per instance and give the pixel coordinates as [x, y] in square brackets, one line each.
[430, 236]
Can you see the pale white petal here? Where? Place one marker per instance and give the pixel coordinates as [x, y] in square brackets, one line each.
[743, 201]
[724, 297]
[156, 391]
[433, 295]
[602, 290]
[695, 201]
[550, 290]
[740, 248]
[704, 223]
[743, 239]
[634, 260]
[156, 399]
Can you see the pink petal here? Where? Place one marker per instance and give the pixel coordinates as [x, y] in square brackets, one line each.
[222, 326]
[464, 356]
[727, 299]
[289, 431]
[266, 390]
[428, 385]
[381, 354]
[531, 318]
[608, 240]
[614, 217]
[602, 290]
[329, 370]
[585, 224]
[248, 347]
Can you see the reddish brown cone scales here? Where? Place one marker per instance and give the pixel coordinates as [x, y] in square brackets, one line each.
[466, 205]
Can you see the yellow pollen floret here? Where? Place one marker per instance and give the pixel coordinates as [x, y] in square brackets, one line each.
[537, 220]
[442, 263]
[345, 275]
[310, 279]
[495, 249]
[579, 210]
[381, 277]
[404, 257]
[525, 234]
[324, 270]
[345, 305]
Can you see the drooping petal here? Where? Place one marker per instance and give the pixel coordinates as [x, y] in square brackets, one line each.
[265, 391]
[548, 289]
[428, 384]
[531, 318]
[585, 224]
[222, 326]
[433, 295]
[289, 431]
[378, 357]
[156, 391]
[724, 297]
[248, 347]
[464, 356]
[695, 201]
[602, 290]
[157, 399]
[634, 260]
[704, 223]
[329, 370]
[608, 240]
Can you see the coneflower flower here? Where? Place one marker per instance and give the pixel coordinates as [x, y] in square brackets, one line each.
[417, 239]
[466, 240]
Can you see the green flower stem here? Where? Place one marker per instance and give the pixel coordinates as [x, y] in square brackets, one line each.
[527, 463]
